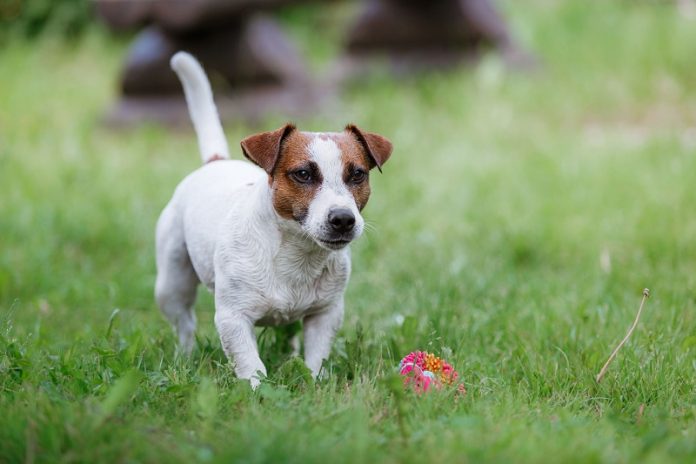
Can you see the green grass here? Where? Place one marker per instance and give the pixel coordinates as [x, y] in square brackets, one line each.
[490, 221]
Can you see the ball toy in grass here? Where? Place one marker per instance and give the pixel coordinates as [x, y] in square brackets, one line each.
[422, 370]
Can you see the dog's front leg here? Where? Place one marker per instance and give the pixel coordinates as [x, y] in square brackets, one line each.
[239, 343]
[319, 332]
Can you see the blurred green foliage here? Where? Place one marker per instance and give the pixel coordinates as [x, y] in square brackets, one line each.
[32, 18]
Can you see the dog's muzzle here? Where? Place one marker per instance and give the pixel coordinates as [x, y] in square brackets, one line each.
[341, 223]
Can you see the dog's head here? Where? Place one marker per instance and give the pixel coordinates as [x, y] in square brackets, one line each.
[320, 181]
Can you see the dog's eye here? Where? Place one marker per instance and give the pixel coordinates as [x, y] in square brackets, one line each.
[358, 176]
[302, 176]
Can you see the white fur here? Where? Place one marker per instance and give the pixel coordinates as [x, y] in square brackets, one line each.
[199, 97]
[220, 228]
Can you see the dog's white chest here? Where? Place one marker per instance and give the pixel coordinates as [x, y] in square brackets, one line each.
[294, 294]
[276, 282]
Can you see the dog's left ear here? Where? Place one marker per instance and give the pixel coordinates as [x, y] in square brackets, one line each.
[378, 148]
[264, 149]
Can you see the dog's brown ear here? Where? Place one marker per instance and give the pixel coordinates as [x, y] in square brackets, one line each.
[263, 149]
[378, 148]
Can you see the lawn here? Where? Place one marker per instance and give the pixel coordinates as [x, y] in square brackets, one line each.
[514, 229]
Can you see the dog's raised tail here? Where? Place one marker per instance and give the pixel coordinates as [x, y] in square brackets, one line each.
[204, 115]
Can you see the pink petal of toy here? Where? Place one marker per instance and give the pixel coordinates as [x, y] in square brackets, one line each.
[406, 368]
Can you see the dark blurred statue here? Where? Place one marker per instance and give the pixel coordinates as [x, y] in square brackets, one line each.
[420, 35]
[253, 67]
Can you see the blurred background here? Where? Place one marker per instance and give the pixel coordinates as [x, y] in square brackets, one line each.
[543, 174]
[256, 67]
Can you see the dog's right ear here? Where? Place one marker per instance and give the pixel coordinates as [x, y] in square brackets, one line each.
[264, 149]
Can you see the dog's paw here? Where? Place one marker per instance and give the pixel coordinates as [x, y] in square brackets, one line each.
[254, 382]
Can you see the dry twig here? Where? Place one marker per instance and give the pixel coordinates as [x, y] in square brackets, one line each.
[646, 294]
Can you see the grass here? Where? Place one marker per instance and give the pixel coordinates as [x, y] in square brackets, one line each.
[514, 230]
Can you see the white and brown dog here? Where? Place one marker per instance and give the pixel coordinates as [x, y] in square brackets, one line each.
[270, 241]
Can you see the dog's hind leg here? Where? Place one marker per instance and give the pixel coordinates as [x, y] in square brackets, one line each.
[175, 289]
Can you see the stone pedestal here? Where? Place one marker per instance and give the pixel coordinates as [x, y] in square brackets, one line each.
[422, 35]
[252, 66]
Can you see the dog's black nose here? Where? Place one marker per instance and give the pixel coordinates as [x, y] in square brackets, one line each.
[341, 220]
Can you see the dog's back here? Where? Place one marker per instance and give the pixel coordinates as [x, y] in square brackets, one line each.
[200, 205]
[204, 198]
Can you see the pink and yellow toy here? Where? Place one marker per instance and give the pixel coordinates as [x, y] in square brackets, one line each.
[422, 370]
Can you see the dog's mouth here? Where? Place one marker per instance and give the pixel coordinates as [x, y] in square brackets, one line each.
[333, 244]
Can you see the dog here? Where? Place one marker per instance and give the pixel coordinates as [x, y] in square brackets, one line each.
[269, 239]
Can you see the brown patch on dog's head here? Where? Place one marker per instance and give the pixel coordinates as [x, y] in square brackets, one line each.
[295, 177]
[292, 192]
[356, 167]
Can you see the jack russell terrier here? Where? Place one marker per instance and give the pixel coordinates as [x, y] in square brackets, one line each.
[271, 240]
